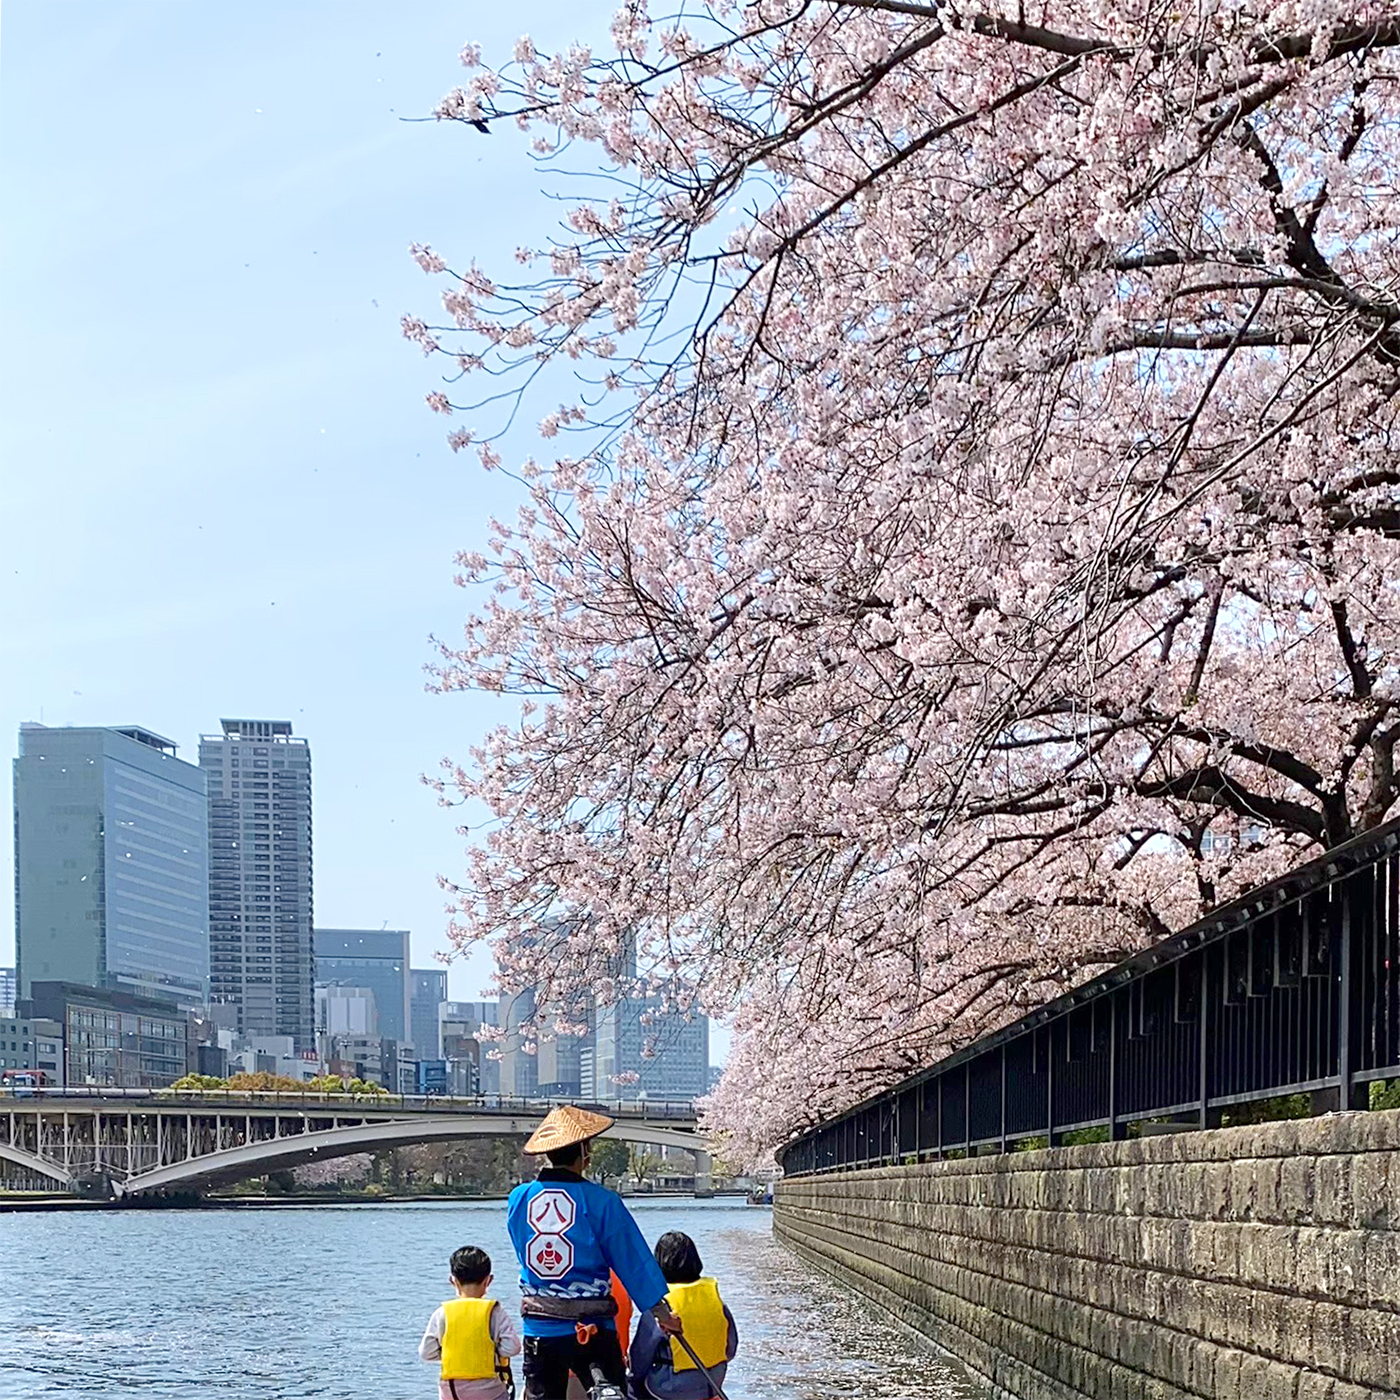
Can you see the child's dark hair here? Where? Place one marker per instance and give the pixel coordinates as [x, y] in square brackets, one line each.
[678, 1257]
[470, 1264]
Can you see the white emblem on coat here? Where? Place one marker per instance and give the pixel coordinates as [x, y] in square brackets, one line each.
[550, 1252]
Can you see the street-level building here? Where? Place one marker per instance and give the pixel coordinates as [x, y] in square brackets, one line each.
[29, 1043]
[345, 1011]
[113, 1038]
[260, 878]
[111, 863]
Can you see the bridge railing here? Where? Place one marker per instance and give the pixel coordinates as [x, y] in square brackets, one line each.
[1294, 988]
[670, 1109]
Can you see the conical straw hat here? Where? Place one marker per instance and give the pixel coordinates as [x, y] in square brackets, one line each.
[566, 1125]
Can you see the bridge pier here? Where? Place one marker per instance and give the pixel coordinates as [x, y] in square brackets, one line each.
[704, 1183]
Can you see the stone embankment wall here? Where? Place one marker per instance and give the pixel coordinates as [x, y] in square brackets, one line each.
[1254, 1263]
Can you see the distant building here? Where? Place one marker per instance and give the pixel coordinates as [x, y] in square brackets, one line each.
[379, 1060]
[668, 1054]
[260, 896]
[432, 1077]
[114, 1038]
[373, 958]
[518, 1062]
[470, 1068]
[29, 1042]
[345, 1011]
[9, 991]
[111, 863]
[560, 1057]
[427, 990]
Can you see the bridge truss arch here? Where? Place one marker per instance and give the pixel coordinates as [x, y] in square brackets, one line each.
[153, 1143]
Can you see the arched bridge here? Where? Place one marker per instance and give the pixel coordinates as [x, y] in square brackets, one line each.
[139, 1142]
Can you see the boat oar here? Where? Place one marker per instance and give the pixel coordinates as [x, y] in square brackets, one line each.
[710, 1380]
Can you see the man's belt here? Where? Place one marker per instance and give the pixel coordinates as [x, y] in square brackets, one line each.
[567, 1309]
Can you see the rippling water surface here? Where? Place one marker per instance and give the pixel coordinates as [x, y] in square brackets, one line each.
[329, 1301]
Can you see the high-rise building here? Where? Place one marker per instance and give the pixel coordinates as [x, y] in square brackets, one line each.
[642, 1050]
[9, 990]
[111, 863]
[260, 896]
[427, 991]
[373, 958]
[519, 1064]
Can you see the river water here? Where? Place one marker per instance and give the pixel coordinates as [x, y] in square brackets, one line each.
[288, 1302]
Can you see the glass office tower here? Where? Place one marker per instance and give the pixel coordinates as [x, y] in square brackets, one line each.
[111, 863]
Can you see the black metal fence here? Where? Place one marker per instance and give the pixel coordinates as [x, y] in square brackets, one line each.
[1293, 988]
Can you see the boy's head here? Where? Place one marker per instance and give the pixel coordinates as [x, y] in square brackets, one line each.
[678, 1258]
[471, 1269]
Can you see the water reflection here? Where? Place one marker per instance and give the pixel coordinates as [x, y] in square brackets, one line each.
[289, 1303]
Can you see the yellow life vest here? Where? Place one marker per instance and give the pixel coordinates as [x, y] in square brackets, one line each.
[468, 1350]
[703, 1324]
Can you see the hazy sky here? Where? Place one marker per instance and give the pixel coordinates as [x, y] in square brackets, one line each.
[223, 493]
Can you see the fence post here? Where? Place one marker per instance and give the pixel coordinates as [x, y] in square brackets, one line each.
[1050, 1084]
[939, 1099]
[1346, 1004]
[1203, 1075]
[1003, 1097]
[1116, 1131]
[967, 1109]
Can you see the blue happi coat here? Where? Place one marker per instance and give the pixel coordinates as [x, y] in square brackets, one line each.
[569, 1235]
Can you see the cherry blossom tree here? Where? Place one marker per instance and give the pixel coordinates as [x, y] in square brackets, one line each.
[350, 1170]
[975, 548]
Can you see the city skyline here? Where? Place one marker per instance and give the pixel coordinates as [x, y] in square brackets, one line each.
[250, 860]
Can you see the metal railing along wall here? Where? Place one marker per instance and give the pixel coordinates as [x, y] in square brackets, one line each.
[1292, 988]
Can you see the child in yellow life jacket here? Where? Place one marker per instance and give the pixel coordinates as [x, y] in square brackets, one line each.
[660, 1368]
[471, 1335]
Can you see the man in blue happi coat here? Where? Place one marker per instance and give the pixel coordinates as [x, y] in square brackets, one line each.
[571, 1236]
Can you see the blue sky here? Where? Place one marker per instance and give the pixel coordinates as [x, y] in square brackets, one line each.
[223, 493]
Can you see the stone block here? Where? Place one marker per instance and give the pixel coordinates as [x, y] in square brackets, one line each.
[1383, 1269]
[1218, 1190]
[1376, 1336]
[1227, 1375]
[1376, 1132]
[1375, 1183]
[1296, 1187]
[1332, 1340]
[1313, 1385]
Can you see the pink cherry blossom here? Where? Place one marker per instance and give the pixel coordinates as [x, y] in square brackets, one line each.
[991, 558]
